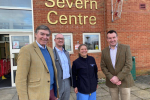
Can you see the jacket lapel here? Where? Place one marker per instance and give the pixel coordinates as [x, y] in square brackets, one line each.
[109, 58]
[68, 57]
[118, 52]
[108, 55]
[39, 53]
[56, 55]
[66, 53]
[54, 66]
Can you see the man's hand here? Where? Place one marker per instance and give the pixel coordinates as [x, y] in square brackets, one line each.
[76, 90]
[114, 79]
[118, 83]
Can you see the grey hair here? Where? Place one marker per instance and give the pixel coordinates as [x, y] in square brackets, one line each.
[42, 27]
[57, 34]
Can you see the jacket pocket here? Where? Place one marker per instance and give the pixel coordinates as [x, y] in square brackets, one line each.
[34, 82]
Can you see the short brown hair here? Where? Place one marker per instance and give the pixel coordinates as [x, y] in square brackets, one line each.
[112, 31]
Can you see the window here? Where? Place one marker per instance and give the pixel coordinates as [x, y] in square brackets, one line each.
[19, 41]
[92, 40]
[15, 19]
[68, 41]
[15, 3]
[16, 15]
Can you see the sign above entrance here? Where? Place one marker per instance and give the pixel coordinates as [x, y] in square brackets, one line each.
[63, 19]
[78, 3]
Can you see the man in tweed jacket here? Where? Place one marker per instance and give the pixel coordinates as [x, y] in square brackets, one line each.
[36, 76]
[116, 64]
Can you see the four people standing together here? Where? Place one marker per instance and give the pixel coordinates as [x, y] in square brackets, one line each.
[46, 74]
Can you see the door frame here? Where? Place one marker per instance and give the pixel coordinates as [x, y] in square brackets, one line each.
[12, 51]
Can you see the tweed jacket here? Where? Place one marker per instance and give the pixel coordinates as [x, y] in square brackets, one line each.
[32, 76]
[59, 67]
[122, 69]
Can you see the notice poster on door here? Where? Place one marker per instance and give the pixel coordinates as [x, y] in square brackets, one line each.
[15, 44]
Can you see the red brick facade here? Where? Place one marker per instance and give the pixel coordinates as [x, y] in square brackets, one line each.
[133, 28]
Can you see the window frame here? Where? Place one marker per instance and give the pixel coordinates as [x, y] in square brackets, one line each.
[53, 42]
[93, 51]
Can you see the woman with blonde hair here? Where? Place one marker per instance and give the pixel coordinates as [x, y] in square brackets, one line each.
[84, 71]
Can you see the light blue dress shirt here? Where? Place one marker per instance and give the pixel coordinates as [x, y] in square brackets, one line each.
[64, 63]
[41, 46]
[113, 53]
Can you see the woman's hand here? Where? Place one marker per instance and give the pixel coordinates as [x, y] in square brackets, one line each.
[76, 90]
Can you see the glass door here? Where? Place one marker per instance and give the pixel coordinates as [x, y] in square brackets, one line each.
[16, 42]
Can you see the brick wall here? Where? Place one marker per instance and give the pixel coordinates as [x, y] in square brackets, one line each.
[133, 28]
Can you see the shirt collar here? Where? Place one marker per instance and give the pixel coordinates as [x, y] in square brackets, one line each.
[58, 49]
[115, 46]
[41, 46]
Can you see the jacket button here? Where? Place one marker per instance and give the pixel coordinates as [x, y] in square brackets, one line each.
[48, 81]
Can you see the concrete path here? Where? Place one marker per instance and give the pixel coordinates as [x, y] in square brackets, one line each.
[141, 91]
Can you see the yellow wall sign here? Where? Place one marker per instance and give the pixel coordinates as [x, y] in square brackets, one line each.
[63, 18]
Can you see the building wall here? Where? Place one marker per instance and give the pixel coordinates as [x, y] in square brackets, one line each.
[133, 27]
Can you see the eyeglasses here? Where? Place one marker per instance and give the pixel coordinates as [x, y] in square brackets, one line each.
[60, 39]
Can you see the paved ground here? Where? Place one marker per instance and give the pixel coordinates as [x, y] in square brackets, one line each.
[141, 91]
